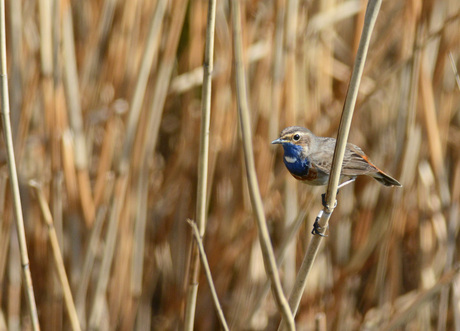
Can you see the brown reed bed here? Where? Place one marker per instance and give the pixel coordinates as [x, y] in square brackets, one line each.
[105, 107]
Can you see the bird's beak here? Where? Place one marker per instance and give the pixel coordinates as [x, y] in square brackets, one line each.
[277, 141]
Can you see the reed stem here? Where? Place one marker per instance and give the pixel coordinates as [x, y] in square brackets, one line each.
[207, 271]
[17, 205]
[203, 157]
[339, 152]
[245, 126]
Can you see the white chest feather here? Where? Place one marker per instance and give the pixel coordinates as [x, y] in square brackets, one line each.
[290, 159]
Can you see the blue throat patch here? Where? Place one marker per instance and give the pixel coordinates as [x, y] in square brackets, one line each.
[301, 165]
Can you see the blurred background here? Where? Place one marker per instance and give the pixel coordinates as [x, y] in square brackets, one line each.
[105, 103]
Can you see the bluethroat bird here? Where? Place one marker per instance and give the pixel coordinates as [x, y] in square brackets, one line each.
[309, 159]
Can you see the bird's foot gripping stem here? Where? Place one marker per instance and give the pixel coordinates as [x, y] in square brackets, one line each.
[317, 229]
[323, 201]
[323, 196]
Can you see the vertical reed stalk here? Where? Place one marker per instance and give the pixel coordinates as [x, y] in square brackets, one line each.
[17, 205]
[16, 44]
[244, 117]
[76, 117]
[320, 322]
[342, 137]
[203, 159]
[163, 78]
[109, 250]
[133, 74]
[5, 228]
[291, 116]
[150, 53]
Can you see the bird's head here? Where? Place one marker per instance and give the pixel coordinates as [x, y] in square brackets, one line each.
[296, 141]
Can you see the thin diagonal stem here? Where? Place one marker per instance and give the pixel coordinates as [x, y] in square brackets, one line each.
[208, 67]
[202, 162]
[372, 11]
[57, 256]
[207, 271]
[7, 134]
[342, 137]
[243, 112]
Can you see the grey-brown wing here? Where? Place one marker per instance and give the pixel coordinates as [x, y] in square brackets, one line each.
[355, 162]
[321, 157]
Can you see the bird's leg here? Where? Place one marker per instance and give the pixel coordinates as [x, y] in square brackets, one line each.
[351, 180]
[323, 196]
[316, 227]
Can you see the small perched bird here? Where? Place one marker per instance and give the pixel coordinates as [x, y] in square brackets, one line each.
[309, 158]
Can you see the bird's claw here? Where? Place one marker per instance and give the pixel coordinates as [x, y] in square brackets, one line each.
[323, 201]
[318, 229]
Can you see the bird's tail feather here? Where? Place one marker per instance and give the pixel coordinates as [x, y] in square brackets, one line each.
[385, 179]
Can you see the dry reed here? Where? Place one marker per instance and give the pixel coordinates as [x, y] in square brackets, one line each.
[268, 255]
[325, 214]
[13, 176]
[106, 113]
[207, 272]
[202, 185]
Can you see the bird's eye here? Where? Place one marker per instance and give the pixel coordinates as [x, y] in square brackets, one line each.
[296, 137]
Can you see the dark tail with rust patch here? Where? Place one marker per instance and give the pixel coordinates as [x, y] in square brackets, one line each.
[385, 179]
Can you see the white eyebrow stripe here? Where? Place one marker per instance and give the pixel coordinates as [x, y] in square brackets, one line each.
[290, 159]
